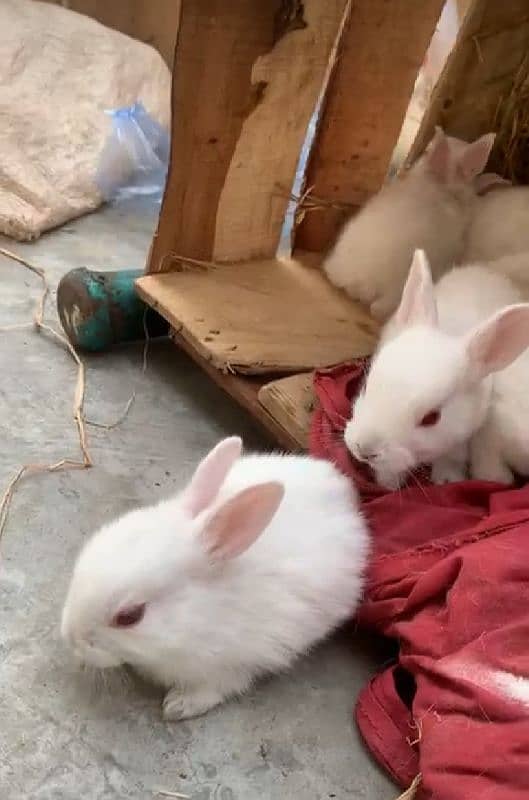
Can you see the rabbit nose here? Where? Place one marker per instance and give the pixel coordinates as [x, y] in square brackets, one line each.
[364, 452]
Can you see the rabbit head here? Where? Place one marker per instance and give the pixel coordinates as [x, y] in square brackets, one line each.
[454, 162]
[141, 583]
[427, 391]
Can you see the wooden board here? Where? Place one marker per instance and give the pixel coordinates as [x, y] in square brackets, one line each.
[245, 391]
[382, 49]
[474, 93]
[246, 80]
[261, 317]
[255, 195]
[290, 401]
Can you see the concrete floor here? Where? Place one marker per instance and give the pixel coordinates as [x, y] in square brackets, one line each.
[292, 737]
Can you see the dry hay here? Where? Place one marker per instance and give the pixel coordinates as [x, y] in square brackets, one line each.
[411, 792]
[78, 400]
[511, 150]
[79, 392]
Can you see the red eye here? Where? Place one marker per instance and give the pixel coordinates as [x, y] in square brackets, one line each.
[129, 616]
[430, 419]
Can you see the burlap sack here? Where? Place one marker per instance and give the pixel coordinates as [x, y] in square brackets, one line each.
[59, 71]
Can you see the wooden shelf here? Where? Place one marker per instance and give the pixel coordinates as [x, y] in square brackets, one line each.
[261, 317]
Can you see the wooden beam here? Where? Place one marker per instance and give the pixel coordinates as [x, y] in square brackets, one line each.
[247, 76]
[382, 50]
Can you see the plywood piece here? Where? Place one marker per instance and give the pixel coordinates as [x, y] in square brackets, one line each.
[246, 80]
[290, 401]
[245, 391]
[262, 317]
[382, 49]
[473, 94]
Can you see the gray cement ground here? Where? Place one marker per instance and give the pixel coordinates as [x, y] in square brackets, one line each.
[293, 737]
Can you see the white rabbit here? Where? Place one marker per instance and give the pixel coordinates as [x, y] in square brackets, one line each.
[254, 562]
[428, 208]
[514, 266]
[430, 395]
[499, 225]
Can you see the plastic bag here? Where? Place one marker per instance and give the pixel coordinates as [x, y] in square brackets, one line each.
[135, 158]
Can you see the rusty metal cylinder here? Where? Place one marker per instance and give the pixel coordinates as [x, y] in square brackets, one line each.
[101, 309]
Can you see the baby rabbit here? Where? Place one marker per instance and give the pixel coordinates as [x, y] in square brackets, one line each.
[431, 396]
[429, 208]
[499, 225]
[255, 561]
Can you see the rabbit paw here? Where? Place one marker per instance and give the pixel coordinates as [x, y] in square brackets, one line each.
[447, 472]
[180, 704]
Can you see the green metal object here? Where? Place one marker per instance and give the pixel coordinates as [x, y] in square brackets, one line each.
[101, 309]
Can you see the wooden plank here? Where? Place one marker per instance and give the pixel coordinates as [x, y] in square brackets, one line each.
[382, 49]
[462, 7]
[254, 198]
[475, 91]
[246, 79]
[218, 42]
[244, 391]
[262, 317]
[290, 401]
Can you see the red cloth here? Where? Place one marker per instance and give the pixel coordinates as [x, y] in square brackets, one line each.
[450, 581]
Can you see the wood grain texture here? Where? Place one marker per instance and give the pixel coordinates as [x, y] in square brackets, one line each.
[382, 49]
[475, 91]
[261, 317]
[218, 42]
[254, 198]
[247, 76]
[290, 401]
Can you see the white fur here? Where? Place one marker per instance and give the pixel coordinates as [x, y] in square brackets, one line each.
[500, 225]
[439, 353]
[216, 620]
[428, 208]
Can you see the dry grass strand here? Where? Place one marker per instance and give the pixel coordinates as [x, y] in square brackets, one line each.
[79, 393]
[108, 426]
[410, 793]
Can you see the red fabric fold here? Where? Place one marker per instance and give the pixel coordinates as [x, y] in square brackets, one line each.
[449, 580]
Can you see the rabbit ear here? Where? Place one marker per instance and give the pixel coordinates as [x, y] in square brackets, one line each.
[241, 519]
[474, 157]
[498, 342]
[417, 305]
[210, 475]
[438, 156]
[487, 181]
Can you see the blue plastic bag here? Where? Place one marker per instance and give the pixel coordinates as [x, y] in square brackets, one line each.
[135, 158]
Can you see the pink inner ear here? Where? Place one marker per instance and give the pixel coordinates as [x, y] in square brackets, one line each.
[475, 156]
[418, 301]
[438, 157]
[241, 519]
[500, 340]
[211, 474]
